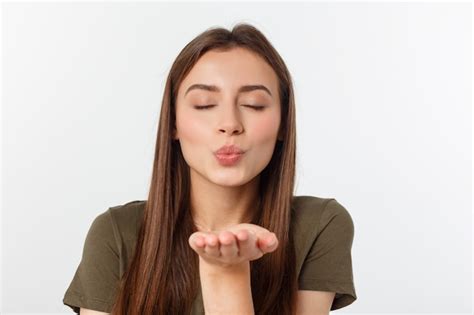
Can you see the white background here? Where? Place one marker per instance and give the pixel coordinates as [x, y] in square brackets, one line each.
[383, 99]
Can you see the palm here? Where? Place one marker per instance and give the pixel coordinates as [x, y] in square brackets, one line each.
[234, 245]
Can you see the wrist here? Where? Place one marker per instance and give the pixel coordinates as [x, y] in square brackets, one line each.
[220, 270]
[226, 290]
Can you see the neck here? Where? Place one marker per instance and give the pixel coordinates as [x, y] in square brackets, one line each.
[216, 207]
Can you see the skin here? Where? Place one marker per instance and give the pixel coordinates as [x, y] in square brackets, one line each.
[238, 244]
[222, 197]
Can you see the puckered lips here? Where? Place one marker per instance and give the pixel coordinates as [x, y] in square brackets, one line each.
[229, 155]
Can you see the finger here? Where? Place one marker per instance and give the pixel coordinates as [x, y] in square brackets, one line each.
[228, 244]
[197, 243]
[248, 246]
[192, 239]
[268, 242]
[212, 245]
[242, 235]
[200, 242]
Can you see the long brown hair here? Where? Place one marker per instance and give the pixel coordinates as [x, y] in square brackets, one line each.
[163, 275]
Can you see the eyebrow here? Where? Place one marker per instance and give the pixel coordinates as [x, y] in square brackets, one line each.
[242, 89]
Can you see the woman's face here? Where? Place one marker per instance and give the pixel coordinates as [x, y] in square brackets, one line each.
[231, 120]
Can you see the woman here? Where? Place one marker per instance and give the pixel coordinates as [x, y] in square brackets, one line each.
[221, 231]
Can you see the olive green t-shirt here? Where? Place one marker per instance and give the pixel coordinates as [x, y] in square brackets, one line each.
[323, 236]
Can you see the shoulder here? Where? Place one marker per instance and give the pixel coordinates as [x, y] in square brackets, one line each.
[126, 218]
[309, 205]
[115, 225]
[104, 257]
[313, 213]
[312, 216]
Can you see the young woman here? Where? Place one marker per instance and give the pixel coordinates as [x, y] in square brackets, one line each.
[221, 231]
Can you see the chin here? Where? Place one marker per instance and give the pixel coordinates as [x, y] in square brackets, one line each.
[230, 180]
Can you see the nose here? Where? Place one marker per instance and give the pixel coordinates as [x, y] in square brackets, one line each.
[230, 121]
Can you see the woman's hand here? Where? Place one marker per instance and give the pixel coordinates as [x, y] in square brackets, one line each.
[240, 243]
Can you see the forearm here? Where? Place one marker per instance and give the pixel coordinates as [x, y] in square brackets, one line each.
[226, 291]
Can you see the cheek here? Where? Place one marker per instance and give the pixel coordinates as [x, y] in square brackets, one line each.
[266, 128]
[192, 138]
[190, 128]
[264, 135]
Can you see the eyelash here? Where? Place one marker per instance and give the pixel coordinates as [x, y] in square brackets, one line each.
[204, 107]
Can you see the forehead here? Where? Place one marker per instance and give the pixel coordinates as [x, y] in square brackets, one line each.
[231, 69]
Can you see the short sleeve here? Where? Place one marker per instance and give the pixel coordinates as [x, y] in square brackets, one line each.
[328, 265]
[94, 283]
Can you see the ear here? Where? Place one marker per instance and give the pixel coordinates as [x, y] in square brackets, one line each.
[175, 134]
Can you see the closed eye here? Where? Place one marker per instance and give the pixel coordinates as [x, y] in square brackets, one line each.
[203, 107]
[257, 108]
